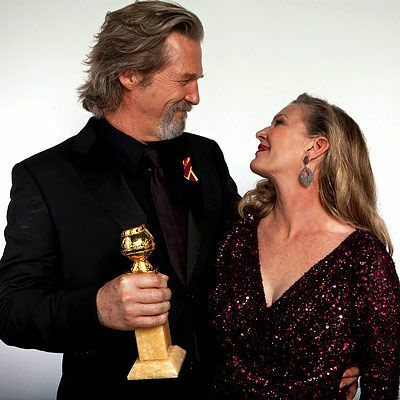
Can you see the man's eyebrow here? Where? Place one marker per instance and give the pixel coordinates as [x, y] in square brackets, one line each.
[188, 76]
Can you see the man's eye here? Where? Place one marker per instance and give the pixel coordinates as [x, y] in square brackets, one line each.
[279, 121]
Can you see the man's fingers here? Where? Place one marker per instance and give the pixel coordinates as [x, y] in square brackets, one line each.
[164, 277]
[149, 322]
[352, 372]
[134, 300]
[155, 309]
[351, 392]
[144, 281]
[347, 381]
[151, 296]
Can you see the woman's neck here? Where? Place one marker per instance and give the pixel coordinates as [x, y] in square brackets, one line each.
[298, 210]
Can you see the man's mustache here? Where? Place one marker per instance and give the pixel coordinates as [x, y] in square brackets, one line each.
[183, 105]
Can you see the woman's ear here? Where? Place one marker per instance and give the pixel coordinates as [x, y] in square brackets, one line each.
[319, 146]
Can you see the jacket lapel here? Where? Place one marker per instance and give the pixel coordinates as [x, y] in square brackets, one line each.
[199, 222]
[104, 181]
[194, 241]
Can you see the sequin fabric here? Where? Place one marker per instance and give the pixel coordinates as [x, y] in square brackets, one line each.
[344, 310]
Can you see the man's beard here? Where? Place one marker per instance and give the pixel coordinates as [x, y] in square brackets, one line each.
[171, 127]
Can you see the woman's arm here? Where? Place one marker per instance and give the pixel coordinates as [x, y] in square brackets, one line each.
[377, 310]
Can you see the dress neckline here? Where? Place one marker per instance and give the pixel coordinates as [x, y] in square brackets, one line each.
[286, 294]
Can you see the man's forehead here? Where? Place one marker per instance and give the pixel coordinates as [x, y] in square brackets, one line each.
[177, 42]
[186, 68]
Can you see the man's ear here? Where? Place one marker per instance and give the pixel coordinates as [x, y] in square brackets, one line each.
[130, 79]
[319, 146]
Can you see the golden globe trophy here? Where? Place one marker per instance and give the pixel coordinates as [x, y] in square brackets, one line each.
[158, 359]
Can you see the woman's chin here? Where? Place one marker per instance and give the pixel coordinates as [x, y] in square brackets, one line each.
[253, 165]
[256, 168]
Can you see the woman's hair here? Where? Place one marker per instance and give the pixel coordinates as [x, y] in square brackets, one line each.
[346, 182]
[132, 39]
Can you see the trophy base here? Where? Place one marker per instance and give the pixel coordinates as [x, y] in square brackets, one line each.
[159, 369]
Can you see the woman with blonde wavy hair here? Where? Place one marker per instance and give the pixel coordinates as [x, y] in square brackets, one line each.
[305, 284]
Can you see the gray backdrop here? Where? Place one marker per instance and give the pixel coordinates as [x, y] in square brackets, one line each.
[258, 56]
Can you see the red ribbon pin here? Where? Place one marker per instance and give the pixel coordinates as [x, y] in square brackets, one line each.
[188, 171]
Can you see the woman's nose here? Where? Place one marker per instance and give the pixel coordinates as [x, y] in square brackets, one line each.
[262, 134]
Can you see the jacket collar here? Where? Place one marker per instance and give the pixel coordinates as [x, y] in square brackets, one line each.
[103, 180]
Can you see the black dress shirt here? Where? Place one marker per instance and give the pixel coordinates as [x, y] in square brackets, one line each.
[127, 154]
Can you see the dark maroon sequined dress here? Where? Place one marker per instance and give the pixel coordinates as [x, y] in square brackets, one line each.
[345, 309]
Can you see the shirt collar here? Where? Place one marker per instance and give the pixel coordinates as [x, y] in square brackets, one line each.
[129, 151]
[124, 147]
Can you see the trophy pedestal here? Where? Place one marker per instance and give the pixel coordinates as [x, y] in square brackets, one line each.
[158, 359]
[159, 369]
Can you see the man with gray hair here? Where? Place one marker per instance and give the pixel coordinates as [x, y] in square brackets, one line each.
[63, 281]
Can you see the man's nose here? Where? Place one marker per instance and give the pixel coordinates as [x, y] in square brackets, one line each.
[192, 96]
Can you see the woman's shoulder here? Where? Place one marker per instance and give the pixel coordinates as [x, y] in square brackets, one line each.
[239, 234]
[365, 243]
[376, 286]
[368, 254]
[241, 224]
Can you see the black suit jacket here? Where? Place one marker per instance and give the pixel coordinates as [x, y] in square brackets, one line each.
[68, 208]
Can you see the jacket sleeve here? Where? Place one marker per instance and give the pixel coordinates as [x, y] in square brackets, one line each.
[377, 305]
[36, 311]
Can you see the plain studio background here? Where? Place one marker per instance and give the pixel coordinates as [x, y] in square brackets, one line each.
[258, 56]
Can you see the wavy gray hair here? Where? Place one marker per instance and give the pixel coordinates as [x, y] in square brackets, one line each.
[132, 39]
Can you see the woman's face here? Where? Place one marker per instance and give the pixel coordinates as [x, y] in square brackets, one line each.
[282, 146]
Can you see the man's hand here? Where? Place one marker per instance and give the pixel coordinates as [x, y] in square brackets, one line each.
[349, 383]
[133, 301]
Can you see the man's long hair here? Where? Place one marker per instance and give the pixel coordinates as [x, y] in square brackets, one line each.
[132, 39]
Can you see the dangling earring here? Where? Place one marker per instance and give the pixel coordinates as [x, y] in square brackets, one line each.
[306, 175]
